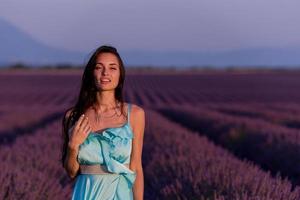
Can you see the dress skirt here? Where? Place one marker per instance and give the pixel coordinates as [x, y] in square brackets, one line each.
[101, 187]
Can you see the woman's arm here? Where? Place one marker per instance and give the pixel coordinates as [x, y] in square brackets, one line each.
[138, 126]
[77, 134]
[71, 164]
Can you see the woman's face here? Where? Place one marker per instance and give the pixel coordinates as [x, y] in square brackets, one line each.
[107, 71]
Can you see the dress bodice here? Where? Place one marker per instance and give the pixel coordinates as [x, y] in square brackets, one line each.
[119, 140]
[110, 147]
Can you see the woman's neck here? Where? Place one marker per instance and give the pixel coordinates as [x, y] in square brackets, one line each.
[106, 100]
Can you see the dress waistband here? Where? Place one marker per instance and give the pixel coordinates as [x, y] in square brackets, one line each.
[95, 169]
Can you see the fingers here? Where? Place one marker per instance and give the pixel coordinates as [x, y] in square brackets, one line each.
[87, 129]
[79, 121]
[85, 126]
[84, 122]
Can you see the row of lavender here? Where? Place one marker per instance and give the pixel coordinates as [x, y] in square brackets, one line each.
[217, 88]
[177, 89]
[16, 117]
[181, 164]
[272, 146]
[30, 166]
[177, 164]
[284, 114]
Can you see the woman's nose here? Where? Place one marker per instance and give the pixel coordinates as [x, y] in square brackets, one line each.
[104, 71]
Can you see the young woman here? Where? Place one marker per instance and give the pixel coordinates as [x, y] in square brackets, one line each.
[103, 135]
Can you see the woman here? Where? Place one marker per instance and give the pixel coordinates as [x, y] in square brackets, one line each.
[103, 135]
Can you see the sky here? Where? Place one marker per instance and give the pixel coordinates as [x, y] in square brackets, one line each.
[161, 25]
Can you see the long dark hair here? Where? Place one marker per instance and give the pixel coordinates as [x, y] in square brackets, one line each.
[87, 95]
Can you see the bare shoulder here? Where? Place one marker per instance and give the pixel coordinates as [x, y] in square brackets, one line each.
[68, 113]
[137, 117]
[137, 111]
[67, 116]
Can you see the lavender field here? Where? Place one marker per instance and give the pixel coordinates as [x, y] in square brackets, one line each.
[224, 135]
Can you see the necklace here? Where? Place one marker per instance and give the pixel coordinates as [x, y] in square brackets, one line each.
[99, 115]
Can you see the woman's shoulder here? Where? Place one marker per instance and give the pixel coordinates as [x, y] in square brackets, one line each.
[137, 114]
[68, 112]
[136, 109]
[66, 119]
[67, 115]
[137, 119]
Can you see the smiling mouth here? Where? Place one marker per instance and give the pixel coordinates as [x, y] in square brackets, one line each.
[105, 80]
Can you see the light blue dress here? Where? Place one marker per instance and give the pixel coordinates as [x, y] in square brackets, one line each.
[111, 148]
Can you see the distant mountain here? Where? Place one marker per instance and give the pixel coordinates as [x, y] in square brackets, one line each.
[17, 46]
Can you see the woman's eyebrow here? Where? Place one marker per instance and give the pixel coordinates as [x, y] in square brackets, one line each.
[109, 64]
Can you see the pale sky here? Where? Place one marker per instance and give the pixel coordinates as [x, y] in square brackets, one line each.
[157, 24]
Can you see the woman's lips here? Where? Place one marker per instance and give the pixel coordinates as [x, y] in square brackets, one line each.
[105, 80]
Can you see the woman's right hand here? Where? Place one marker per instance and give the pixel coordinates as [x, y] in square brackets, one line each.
[79, 132]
